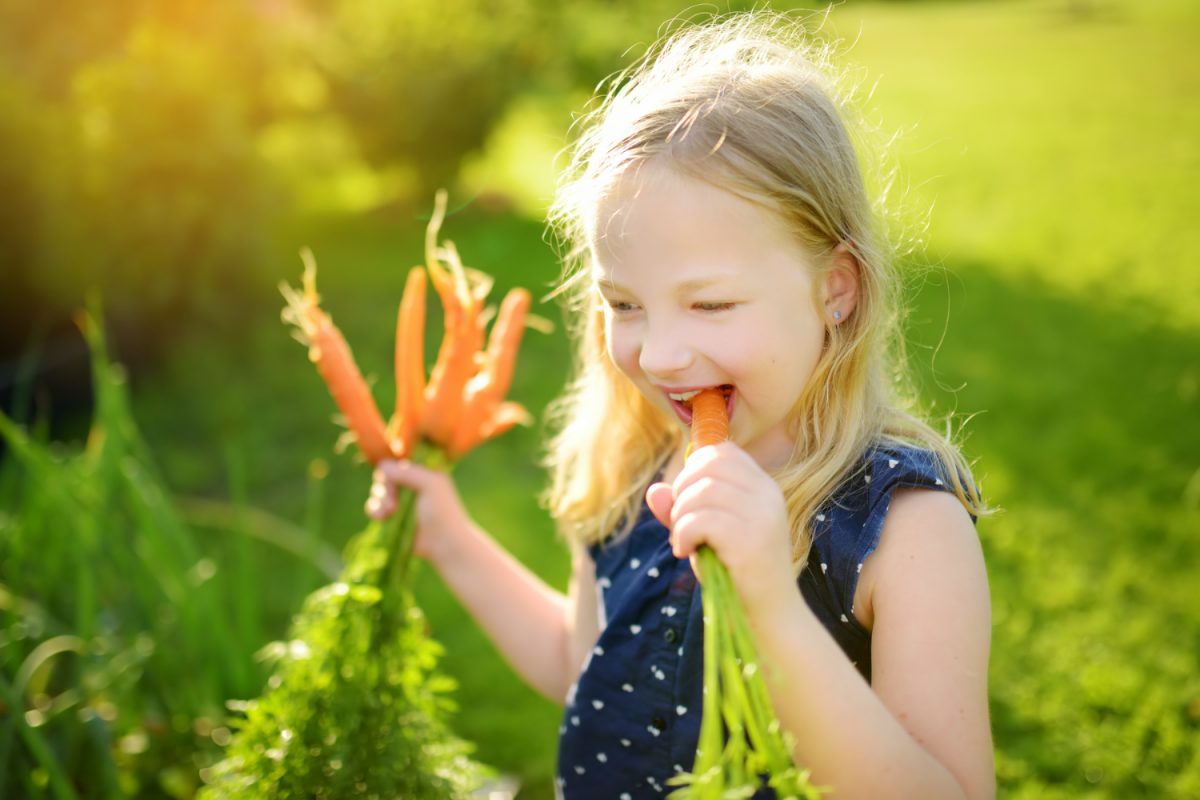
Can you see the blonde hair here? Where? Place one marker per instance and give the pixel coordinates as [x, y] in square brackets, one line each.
[752, 104]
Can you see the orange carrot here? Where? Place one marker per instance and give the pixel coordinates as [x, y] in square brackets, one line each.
[336, 364]
[710, 421]
[410, 364]
[461, 406]
[452, 311]
[455, 366]
[504, 417]
[329, 351]
[456, 363]
[737, 707]
[487, 389]
[506, 338]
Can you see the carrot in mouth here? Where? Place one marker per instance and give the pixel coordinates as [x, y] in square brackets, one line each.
[740, 746]
[710, 420]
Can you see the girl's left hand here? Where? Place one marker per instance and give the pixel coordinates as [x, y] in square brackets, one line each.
[722, 498]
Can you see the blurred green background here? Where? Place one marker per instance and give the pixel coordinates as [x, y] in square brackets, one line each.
[174, 156]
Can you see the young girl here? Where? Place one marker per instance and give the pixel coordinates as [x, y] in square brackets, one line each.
[722, 234]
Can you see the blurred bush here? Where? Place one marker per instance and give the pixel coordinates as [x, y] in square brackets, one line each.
[423, 83]
[148, 148]
[130, 161]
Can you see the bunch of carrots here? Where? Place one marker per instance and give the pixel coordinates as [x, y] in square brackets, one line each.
[355, 706]
[741, 745]
[461, 406]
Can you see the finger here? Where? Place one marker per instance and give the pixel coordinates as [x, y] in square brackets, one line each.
[404, 473]
[707, 493]
[660, 498]
[380, 506]
[688, 533]
[381, 501]
[726, 461]
[687, 536]
[692, 531]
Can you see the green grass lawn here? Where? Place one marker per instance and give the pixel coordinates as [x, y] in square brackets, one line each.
[1061, 151]
[1089, 452]
[1054, 145]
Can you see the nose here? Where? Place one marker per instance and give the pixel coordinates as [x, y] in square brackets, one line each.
[665, 352]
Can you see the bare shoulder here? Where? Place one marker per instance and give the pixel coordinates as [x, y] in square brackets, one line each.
[925, 533]
[926, 589]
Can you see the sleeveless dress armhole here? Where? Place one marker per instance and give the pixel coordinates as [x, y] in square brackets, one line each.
[847, 531]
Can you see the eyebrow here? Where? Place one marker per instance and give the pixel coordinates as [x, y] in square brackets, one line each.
[685, 287]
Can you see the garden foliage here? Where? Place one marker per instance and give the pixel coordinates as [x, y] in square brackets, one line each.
[119, 645]
[130, 161]
[354, 707]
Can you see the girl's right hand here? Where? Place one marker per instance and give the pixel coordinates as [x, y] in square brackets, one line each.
[440, 512]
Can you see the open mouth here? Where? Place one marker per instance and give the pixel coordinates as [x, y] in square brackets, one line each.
[682, 402]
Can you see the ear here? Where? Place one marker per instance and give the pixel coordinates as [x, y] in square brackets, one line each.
[840, 292]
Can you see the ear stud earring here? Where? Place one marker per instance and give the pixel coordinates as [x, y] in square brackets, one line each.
[837, 315]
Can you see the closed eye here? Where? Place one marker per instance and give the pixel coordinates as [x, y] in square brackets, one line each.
[620, 306]
[714, 306]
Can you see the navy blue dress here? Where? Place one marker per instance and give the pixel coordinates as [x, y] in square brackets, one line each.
[633, 718]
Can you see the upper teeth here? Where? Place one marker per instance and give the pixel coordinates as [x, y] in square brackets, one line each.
[684, 395]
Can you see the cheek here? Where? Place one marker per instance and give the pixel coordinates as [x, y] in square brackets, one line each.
[807, 354]
[622, 350]
[789, 363]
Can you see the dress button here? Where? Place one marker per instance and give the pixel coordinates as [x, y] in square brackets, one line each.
[670, 635]
[659, 723]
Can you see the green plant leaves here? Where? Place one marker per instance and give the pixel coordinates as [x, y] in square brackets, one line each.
[355, 707]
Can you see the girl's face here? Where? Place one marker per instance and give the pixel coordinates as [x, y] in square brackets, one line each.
[703, 288]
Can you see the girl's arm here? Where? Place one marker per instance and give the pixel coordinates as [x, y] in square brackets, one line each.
[542, 633]
[921, 729]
